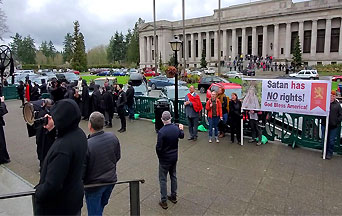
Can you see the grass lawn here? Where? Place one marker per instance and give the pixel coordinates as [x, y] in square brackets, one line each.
[121, 79]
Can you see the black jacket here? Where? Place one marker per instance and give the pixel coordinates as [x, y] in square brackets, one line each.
[167, 143]
[108, 101]
[335, 116]
[122, 100]
[34, 93]
[85, 100]
[130, 96]
[21, 90]
[3, 111]
[43, 88]
[60, 189]
[102, 155]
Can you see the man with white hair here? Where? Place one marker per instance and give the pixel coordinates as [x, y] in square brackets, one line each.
[167, 151]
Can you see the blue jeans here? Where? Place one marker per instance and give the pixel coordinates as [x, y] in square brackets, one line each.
[97, 199]
[131, 111]
[213, 123]
[164, 169]
[332, 134]
[225, 118]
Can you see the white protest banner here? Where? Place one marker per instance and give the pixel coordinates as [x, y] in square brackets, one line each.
[310, 97]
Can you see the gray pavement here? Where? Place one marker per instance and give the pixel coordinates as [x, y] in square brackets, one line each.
[213, 178]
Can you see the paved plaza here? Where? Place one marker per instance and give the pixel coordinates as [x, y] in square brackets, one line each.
[213, 178]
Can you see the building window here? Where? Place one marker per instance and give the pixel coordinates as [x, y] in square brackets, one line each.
[249, 42]
[319, 63]
[195, 65]
[333, 63]
[306, 64]
[205, 46]
[196, 49]
[221, 53]
[320, 40]
[152, 54]
[294, 36]
[152, 40]
[282, 51]
[189, 48]
[212, 53]
[335, 39]
[307, 42]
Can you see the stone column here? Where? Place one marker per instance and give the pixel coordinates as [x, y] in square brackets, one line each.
[288, 41]
[224, 44]
[313, 37]
[243, 42]
[254, 41]
[148, 50]
[276, 41]
[207, 47]
[142, 49]
[200, 47]
[215, 45]
[234, 50]
[301, 34]
[193, 47]
[340, 49]
[327, 36]
[264, 41]
[179, 56]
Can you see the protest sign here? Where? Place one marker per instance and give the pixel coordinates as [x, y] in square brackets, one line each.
[310, 97]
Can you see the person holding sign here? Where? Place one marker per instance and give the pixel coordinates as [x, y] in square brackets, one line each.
[235, 117]
[214, 108]
[335, 118]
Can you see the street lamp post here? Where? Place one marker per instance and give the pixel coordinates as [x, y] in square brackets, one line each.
[175, 46]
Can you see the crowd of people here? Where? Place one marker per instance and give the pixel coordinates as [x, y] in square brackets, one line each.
[253, 62]
[69, 160]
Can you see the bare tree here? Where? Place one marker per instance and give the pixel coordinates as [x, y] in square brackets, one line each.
[3, 26]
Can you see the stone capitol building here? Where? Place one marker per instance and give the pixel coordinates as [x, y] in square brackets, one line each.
[261, 28]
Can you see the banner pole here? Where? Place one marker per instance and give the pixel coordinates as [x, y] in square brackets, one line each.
[325, 137]
[241, 131]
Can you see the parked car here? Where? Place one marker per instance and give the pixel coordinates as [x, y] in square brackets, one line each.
[209, 71]
[118, 73]
[337, 78]
[161, 81]
[151, 74]
[232, 74]
[71, 77]
[102, 80]
[229, 89]
[76, 72]
[103, 73]
[196, 72]
[169, 92]
[306, 74]
[140, 87]
[248, 72]
[61, 77]
[205, 82]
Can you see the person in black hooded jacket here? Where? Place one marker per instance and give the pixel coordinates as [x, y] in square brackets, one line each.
[60, 189]
[85, 100]
[109, 106]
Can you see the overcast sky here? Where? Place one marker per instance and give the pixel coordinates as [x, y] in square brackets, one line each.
[99, 19]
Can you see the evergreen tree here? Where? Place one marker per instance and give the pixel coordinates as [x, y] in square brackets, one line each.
[52, 50]
[23, 49]
[203, 61]
[116, 50]
[172, 60]
[133, 54]
[297, 54]
[44, 49]
[79, 58]
[67, 50]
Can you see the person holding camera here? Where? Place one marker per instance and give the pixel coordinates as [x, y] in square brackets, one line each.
[4, 157]
[60, 190]
[167, 152]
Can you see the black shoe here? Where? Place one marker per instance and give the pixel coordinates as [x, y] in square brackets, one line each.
[163, 205]
[328, 157]
[109, 126]
[173, 199]
[5, 161]
[195, 138]
[122, 130]
[190, 138]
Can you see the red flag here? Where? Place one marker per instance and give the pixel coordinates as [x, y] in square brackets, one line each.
[319, 96]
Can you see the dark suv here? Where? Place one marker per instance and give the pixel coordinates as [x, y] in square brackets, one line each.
[248, 72]
[205, 82]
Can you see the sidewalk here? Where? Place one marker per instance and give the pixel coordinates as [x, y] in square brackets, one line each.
[213, 179]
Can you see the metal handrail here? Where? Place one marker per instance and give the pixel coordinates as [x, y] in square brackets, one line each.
[134, 191]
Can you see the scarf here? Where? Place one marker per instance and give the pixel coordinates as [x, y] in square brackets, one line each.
[196, 102]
